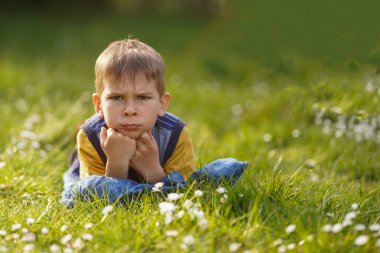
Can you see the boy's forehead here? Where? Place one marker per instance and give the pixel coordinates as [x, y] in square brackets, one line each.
[139, 83]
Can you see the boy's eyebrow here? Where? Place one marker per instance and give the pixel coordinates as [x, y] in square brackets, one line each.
[114, 93]
[144, 92]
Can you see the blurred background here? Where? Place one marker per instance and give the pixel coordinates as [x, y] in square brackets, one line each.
[218, 38]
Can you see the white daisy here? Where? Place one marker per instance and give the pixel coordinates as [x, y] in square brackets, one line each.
[290, 229]
[361, 240]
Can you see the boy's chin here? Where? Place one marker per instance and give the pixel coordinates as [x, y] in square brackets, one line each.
[132, 134]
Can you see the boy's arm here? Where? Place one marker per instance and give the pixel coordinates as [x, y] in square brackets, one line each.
[89, 159]
[183, 157]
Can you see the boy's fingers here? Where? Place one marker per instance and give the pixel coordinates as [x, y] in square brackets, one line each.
[151, 136]
[103, 135]
[110, 131]
[145, 139]
[152, 139]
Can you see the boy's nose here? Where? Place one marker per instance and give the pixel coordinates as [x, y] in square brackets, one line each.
[130, 109]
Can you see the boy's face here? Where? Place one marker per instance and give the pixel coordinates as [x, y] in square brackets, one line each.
[131, 107]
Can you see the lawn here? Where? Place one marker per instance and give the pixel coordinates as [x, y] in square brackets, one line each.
[296, 95]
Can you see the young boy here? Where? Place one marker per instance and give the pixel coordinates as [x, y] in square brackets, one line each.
[131, 135]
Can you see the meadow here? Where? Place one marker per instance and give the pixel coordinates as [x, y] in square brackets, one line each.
[307, 121]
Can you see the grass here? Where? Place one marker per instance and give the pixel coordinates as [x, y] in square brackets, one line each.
[310, 131]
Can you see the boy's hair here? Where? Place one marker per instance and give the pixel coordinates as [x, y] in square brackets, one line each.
[127, 58]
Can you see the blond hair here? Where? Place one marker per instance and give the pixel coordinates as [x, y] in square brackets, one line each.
[126, 59]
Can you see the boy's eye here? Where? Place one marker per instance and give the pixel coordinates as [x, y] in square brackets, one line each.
[143, 97]
[116, 98]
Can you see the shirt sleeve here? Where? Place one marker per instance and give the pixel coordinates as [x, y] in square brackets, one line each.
[183, 157]
[89, 159]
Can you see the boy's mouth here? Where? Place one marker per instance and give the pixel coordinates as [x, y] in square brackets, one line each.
[130, 127]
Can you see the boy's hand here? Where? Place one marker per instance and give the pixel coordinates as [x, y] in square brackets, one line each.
[146, 158]
[119, 150]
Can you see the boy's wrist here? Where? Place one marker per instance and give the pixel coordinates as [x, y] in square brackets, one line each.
[116, 170]
[154, 176]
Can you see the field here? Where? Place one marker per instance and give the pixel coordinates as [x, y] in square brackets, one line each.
[296, 95]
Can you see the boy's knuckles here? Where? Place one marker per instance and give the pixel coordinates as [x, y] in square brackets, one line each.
[143, 151]
[144, 138]
[130, 141]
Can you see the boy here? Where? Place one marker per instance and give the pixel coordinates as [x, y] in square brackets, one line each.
[131, 135]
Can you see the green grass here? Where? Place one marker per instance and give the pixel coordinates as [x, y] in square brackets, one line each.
[303, 170]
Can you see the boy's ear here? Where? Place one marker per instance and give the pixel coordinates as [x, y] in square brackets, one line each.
[164, 103]
[97, 104]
